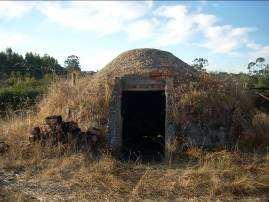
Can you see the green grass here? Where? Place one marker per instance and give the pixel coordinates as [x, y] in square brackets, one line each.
[22, 94]
[263, 81]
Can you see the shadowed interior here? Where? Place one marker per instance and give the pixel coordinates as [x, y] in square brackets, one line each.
[143, 129]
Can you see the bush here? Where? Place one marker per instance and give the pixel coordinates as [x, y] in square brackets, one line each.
[14, 100]
[263, 81]
[213, 103]
[21, 95]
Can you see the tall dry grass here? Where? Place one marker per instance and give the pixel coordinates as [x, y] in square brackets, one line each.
[86, 102]
[220, 103]
[223, 175]
[193, 174]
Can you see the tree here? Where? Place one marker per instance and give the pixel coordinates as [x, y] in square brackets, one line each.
[259, 72]
[258, 67]
[72, 63]
[13, 61]
[199, 64]
[50, 64]
[31, 64]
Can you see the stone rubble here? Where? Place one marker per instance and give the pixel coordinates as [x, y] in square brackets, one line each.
[3, 147]
[56, 131]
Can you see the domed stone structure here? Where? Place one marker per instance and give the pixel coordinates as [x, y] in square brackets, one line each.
[146, 98]
[140, 115]
[145, 60]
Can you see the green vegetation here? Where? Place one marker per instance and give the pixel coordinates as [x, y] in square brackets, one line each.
[263, 81]
[24, 78]
[257, 76]
[31, 64]
[21, 93]
[259, 73]
[72, 63]
[199, 64]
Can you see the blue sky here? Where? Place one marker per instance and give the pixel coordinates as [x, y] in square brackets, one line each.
[229, 34]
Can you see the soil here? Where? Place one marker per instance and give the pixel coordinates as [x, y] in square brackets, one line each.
[14, 189]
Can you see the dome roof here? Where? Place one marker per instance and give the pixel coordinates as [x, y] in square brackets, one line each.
[144, 60]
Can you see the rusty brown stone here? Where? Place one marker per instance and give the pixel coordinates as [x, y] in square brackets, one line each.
[57, 131]
[52, 121]
[35, 134]
[3, 147]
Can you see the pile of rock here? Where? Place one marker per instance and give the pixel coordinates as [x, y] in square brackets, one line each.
[3, 147]
[55, 131]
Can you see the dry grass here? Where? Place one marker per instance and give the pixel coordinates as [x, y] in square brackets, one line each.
[196, 174]
[86, 102]
[214, 100]
[193, 174]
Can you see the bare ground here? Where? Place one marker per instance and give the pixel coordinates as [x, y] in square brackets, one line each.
[12, 186]
[69, 180]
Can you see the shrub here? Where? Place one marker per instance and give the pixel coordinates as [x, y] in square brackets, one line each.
[22, 94]
[263, 81]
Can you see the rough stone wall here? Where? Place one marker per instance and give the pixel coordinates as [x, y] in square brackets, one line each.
[141, 62]
[192, 131]
[114, 122]
[140, 83]
[142, 65]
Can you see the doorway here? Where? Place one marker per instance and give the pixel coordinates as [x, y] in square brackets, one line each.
[143, 127]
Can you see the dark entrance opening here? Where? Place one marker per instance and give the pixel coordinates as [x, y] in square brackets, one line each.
[143, 129]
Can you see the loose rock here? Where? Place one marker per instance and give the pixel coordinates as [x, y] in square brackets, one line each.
[55, 131]
[3, 148]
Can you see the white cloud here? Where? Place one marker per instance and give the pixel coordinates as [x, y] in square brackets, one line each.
[258, 51]
[204, 21]
[150, 3]
[98, 59]
[10, 40]
[253, 45]
[176, 25]
[263, 51]
[163, 25]
[15, 9]
[103, 18]
[90, 60]
[169, 25]
[140, 29]
[181, 26]
[224, 39]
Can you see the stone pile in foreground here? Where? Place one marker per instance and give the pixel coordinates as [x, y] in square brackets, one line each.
[3, 147]
[56, 131]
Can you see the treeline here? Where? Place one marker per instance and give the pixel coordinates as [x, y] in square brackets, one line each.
[256, 77]
[25, 77]
[259, 72]
[30, 65]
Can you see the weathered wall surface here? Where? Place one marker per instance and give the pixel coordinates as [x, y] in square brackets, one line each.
[194, 133]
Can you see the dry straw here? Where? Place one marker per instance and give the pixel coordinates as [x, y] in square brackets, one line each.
[193, 174]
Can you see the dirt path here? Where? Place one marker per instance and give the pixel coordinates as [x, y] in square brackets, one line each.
[12, 188]
[32, 190]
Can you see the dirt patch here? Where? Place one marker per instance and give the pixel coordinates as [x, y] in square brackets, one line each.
[12, 188]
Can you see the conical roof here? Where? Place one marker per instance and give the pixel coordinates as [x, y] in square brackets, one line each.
[144, 60]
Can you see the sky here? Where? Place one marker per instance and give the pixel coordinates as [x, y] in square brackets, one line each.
[229, 34]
